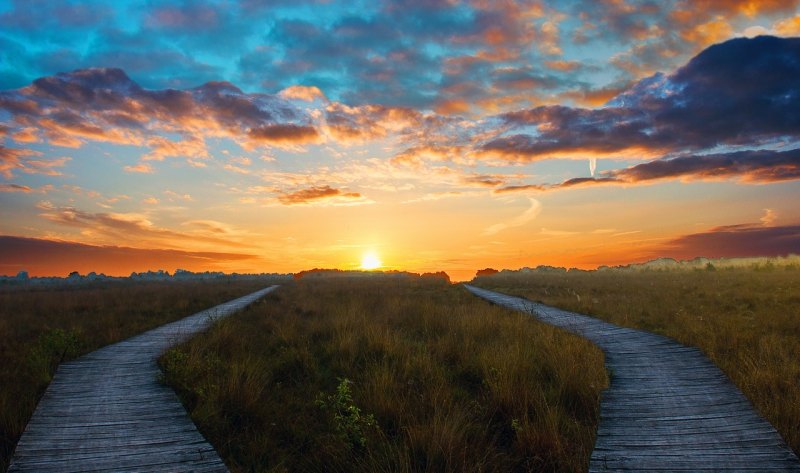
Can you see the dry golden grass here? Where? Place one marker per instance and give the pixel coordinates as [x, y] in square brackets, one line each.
[745, 318]
[42, 326]
[387, 374]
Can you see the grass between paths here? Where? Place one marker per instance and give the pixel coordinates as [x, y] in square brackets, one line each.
[42, 326]
[389, 374]
[745, 319]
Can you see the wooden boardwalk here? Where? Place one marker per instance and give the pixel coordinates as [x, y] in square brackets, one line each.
[106, 411]
[668, 408]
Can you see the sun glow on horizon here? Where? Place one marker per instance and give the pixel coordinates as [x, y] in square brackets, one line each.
[370, 261]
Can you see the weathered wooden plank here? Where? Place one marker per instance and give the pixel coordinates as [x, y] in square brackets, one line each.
[668, 408]
[106, 411]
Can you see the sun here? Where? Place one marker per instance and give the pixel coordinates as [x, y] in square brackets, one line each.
[370, 261]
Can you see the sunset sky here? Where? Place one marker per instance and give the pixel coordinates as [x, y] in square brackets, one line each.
[422, 135]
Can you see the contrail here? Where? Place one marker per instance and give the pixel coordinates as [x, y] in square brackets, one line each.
[592, 165]
[521, 219]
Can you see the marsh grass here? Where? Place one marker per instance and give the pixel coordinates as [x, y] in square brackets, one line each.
[745, 318]
[386, 374]
[41, 327]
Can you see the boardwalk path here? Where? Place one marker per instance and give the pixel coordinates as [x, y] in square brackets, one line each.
[668, 408]
[106, 411]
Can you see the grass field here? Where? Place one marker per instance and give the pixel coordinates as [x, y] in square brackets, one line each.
[745, 318]
[389, 374]
[42, 326]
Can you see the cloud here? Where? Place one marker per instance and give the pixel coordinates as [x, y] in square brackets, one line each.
[368, 122]
[763, 166]
[302, 92]
[731, 98]
[322, 194]
[11, 187]
[788, 26]
[144, 168]
[527, 216]
[58, 258]
[284, 133]
[735, 241]
[15, 159]
[173, 196]
[519, 188]
[484, 180]
[15, 188]
[192, 148]
[105, 105]
[130, 228]
[186, 16]
[739, 93]
[769, 218]
[754, 167]
[387, 53]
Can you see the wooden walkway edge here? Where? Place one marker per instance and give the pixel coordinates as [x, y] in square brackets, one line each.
[668, 407]
[106, 411]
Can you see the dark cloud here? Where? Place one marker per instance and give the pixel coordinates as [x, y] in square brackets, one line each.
[759, 167]
[519, 188]
[59, 258]
[587, 181]
[106, 105]
[748, 166]
[284, 134]
[762, 166]
[744, 92]
[484, 180]
[735, 241]
[563, 129]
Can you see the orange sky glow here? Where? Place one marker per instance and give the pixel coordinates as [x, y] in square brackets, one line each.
[522, 133]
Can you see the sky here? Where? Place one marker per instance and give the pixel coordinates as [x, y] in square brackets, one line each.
[417, 135]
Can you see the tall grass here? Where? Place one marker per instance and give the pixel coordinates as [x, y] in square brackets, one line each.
[42, 326]
[388, 375]
[746, 319]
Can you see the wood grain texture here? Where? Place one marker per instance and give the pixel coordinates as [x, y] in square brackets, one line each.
[106, 411]
[668, 407]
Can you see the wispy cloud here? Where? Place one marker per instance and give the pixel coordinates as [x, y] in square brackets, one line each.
[525, 217]
[11, 187]
[130, 228]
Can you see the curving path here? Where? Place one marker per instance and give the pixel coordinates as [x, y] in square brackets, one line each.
[106, 411]
[668, 408]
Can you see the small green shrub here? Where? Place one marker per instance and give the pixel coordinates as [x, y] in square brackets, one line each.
[347, 418]
[52, 348]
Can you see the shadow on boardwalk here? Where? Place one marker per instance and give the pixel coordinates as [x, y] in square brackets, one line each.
[106, 411]
[668, 408]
